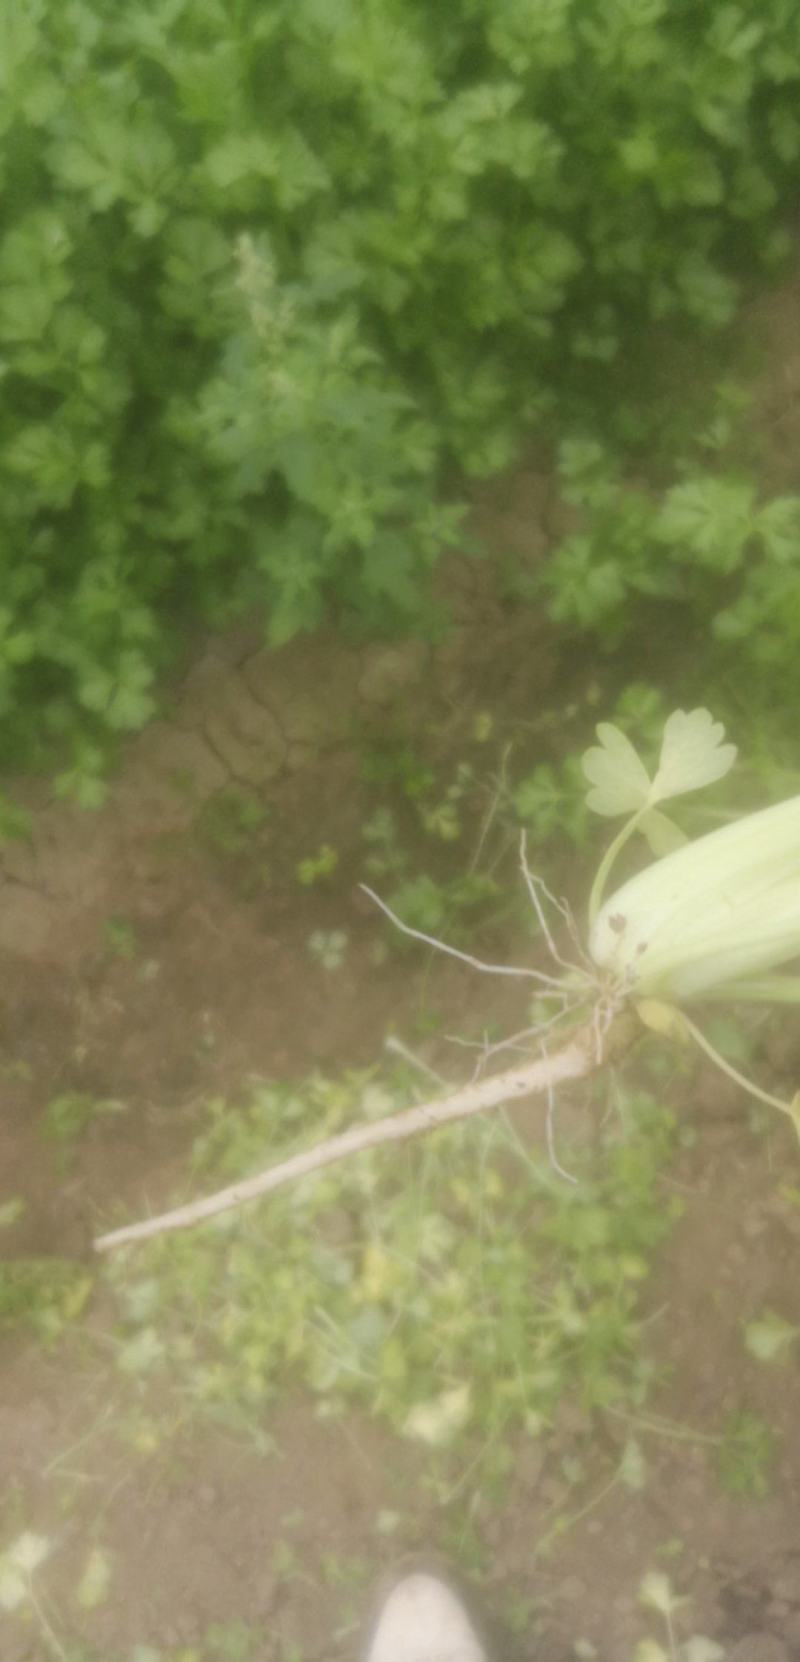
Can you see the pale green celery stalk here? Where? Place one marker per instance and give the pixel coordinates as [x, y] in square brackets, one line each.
[722, 909]
[608, 859]
[761, 989]
[718, 944]
[757, 847]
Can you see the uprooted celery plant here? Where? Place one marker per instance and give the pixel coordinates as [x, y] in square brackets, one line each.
[710, 919]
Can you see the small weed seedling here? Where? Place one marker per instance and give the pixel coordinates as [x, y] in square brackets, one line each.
[67, 1118]
[746, 1454]
[120, 937]
[231, 821]
[317, 867]
[328, 948]
[19, 1591]
[656, 1593]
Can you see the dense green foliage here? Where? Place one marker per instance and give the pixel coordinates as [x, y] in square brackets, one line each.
[265, 271]
[717, 557]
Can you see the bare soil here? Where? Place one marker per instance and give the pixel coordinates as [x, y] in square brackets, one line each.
[220, 987]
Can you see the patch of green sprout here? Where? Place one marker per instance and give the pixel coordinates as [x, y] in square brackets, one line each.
[47, 1295]
[746, 1455]
[460, 1291]
[316, 868]
[68, 1117]
[120, 937]
[230, 821]
[328, 948]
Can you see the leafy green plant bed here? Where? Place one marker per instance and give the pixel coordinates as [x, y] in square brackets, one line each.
[713, 555]
[263, 273]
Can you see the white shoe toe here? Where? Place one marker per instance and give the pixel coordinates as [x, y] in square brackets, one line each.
[423, 1620]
